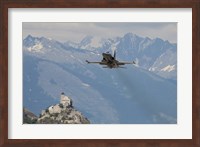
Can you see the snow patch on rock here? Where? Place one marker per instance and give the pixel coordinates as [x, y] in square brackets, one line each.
[168, 68]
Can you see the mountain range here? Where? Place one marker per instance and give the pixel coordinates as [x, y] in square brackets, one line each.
[145, 93]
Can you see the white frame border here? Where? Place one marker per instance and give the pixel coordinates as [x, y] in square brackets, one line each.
[182, 130]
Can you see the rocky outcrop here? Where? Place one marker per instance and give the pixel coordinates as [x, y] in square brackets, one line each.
[62, 113]
[29, 117]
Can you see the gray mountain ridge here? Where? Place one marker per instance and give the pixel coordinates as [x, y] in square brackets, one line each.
[130, 95]
[149, 53]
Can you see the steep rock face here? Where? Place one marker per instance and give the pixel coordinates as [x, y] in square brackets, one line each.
[166, 65]
[29, 117]
[63, 113]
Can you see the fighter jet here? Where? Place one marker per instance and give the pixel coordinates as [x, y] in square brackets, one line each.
[110, 61]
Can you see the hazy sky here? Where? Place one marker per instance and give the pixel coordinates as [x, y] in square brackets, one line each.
[77, 31]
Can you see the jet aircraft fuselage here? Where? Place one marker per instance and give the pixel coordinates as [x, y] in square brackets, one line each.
[110, 61]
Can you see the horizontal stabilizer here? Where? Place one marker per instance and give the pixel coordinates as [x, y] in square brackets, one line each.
[95, 62]
[123, 63]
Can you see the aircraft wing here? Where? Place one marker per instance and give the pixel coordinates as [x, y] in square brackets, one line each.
[123, 63]
[96, 62]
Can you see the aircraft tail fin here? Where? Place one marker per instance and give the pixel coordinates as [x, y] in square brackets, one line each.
[114, 54]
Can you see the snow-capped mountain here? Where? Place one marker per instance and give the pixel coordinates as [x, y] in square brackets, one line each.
[155, 55]
[40, 44]
[88, 43]
[166, 64]
[130, 95]
[147, 53]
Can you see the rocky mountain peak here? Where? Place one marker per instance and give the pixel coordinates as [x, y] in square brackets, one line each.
[86, 40]
[62, 113]
[132, 36]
